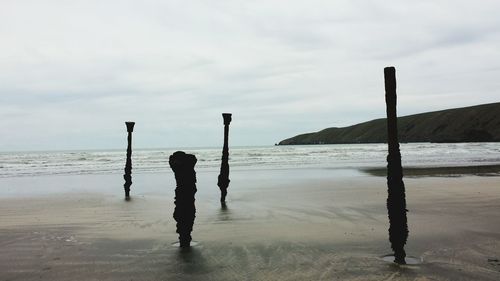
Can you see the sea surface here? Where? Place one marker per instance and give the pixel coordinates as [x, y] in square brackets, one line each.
[340, 156]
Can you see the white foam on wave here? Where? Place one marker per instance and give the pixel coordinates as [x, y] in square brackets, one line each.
[17, 164]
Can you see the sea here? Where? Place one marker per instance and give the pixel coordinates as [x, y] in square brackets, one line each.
[335, 156]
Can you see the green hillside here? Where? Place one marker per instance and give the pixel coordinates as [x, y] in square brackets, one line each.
[479, 123]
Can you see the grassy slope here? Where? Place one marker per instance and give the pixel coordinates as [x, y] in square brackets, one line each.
[468, 124]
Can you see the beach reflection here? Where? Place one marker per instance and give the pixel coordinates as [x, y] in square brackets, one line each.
[224, 212]
[191, 261]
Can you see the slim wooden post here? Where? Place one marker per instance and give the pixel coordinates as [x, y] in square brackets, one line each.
[396, 201]
[128, 164]
[223, 180]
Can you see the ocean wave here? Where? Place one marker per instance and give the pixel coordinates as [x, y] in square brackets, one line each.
[327, 156]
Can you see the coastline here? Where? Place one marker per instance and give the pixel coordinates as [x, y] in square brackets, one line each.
[278, 225]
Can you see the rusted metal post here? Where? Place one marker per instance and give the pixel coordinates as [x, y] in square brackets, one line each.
[396, 201]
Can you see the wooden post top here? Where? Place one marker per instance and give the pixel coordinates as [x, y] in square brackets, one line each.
[227, 118]
[130, 126]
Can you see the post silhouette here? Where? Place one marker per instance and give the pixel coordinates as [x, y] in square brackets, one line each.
[396, 201]
[128, 164]
[182, 165]
[223, 180]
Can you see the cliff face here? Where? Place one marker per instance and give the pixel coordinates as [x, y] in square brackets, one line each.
[479, 123]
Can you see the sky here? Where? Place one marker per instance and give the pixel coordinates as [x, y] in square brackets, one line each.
[72, 72]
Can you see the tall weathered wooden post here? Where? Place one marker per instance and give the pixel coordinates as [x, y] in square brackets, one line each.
[396, 201]
[223, 180]
[182, 165]
[128, 164]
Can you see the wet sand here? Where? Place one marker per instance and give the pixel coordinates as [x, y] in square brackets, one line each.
[303, 224]
[457, 171]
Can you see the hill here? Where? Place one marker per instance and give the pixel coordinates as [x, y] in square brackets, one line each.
[480, 123]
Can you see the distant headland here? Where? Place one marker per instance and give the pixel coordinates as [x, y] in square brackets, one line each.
[480, 123]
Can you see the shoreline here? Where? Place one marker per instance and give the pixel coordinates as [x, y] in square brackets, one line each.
[410, 170]
[278, 225]
[446, 171]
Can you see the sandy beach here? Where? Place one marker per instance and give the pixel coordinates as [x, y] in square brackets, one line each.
[293, 224]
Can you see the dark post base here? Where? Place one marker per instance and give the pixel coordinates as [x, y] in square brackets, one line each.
[185, 240]
[223, 193]
[399, 257]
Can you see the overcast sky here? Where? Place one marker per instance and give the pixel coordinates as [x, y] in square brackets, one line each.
[71, 72]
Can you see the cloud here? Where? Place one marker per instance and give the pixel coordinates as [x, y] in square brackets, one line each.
[71, 72]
